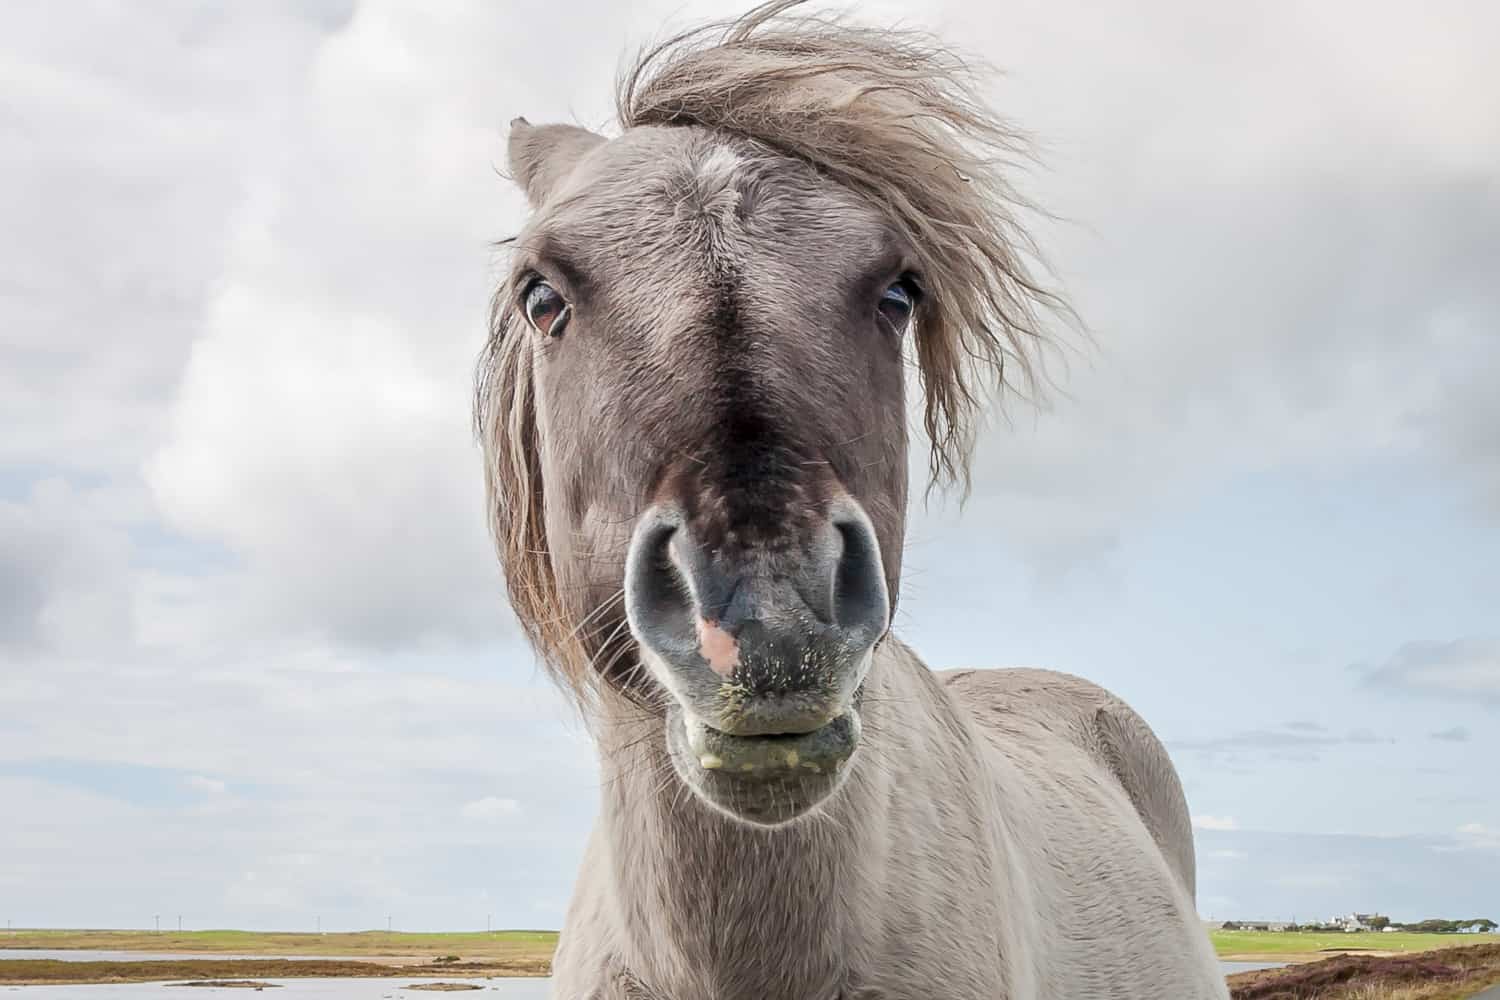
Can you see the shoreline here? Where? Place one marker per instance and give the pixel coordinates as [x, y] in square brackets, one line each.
[166, 957]
[1293, 957]
[60, 972]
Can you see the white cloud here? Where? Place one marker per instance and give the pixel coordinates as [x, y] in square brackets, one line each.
[320, 430]
[252, 892]
[131, 133]
[247, 278]
[1263, 295]
[1477, 836]
[1310, 880]
[1466, 670]
[342, 792]
[212, 786]
[490, 809]
[64, 568]
[1215, 823]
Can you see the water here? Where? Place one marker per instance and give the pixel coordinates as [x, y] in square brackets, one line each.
[1230, 968]
[322, 989]
[99, 955]
[290, 989]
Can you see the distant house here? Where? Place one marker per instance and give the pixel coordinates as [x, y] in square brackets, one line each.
[1353, 923]
[1249, 925]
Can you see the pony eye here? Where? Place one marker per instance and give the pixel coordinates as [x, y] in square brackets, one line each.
[546, 310]
[898, 302]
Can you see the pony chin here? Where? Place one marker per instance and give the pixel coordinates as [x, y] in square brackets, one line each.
[762, 781]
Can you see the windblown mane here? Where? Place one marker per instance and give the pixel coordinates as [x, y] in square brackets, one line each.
[897, 116]
[894, 115]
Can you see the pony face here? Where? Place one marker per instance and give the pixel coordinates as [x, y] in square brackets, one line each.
[691, 403]
[716, 338]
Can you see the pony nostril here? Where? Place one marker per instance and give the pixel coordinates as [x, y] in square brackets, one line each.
[860, 603]
[658, 598]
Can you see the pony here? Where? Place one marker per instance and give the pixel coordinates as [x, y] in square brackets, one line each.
[692, 406]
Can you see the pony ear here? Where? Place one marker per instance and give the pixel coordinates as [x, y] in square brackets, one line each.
[541, 155]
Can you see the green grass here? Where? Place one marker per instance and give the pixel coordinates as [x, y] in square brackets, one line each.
[469, 945]
[1265, 943]
[527, 946]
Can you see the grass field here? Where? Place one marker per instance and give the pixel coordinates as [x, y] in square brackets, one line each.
[1252, 945]
[475, 946]
[530, 953]
[480, 946]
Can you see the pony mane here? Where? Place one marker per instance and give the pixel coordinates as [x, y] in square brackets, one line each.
[897, 116]
[894, 115]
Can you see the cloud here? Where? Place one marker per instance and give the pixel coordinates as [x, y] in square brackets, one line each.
[490, 809]
[129, 165]
[1467, 426]
[1466, 670]
[251, 892]
[1478, 837]
[1280, 743]
[1215, 823]
[346, 787]
[320, 429]
[238, 493]
[28, 559]
[1469, 837]
[1455, 734]
[1190, 222]
[1286, 876]
[211, 786]
[1309, 880]
[64, 565]
[142, 785]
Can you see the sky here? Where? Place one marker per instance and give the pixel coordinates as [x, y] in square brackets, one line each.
[255, 665]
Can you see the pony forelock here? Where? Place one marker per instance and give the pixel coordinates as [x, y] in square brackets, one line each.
[899, 117]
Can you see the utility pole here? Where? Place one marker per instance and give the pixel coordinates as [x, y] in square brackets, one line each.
[486, 923]
[179, 923]
[387, 923]
[320, 925]
[158, 923]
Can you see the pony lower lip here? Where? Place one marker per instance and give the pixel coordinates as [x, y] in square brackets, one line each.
[823, 751]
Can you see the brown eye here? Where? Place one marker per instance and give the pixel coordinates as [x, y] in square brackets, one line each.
[898, 302]
[545, 309]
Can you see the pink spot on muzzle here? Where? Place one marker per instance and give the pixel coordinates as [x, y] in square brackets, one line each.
[718, 647]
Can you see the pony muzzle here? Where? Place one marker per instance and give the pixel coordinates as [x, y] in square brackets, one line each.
[822, 751]
[763, 652]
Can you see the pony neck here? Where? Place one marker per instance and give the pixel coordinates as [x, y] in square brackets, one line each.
[711, 906]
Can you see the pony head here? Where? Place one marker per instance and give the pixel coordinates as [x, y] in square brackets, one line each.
[692, 404]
